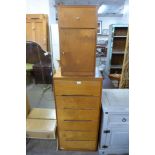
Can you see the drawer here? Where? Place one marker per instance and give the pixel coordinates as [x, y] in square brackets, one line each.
[77, 135]
[77, 102]
[77, 17]
[78, 145]
[78, 125]
[71, 114]
[118, 119]
[74, 87]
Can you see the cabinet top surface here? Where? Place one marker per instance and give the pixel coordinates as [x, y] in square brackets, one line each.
[58, 75]
[115, 100]
[77, 6]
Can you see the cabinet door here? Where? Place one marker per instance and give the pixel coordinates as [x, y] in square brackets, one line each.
[77, 51]
[117, 138]
[40, 34]
[36, 29]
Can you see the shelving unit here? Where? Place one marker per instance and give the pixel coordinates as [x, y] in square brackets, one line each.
[116, 48]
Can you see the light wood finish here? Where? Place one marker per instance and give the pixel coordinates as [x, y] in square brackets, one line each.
[27, 106]
[70, 114]
[39, 128]
[78, 135]
[77, 35]
[78, 125]
[41, 113]
[78, 145]
[37, 29]
[77, 87]
[77, 54]
[77, 102]
[124, 81]
[77, 16]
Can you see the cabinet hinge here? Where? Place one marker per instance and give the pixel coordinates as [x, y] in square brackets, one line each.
[106, 131]
[104, 146]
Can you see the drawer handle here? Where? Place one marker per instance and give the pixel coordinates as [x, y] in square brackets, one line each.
[77, 18]
[124, 120]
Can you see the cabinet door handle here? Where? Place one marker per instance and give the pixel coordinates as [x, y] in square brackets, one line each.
[124, 120]
[63, 53]
[77, 18]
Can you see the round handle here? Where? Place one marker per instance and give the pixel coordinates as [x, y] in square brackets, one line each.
[63, 53]
[77, 18]
[124, 120]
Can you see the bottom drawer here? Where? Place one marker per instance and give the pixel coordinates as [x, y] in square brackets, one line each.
[77, 135]
[78, 145]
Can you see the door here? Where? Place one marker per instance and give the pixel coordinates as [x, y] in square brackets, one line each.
[77, 51]
[116, 139]
[36, 29]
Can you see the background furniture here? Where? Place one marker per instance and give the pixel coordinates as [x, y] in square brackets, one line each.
[116, 48]
[124, 80]
[40, 123]
[77, 34]
[41, 60]
[114, 136]
[78, 102]
[37, 29]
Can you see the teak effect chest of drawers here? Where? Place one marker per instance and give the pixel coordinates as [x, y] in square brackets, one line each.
[78, 102]
[77, 35]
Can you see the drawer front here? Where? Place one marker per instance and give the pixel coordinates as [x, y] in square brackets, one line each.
[71, 114]
[77, 135]
[74, 87]
[76, 17]
[77, 102]
[118, 119]
[78, 125]
[78, 145]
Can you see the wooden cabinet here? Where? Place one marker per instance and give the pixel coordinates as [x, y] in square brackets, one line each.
[77, 34]
[78, 102]
[37, 29]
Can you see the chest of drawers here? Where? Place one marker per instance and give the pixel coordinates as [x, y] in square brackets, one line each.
[77, 35]
[114, 133]
[78, 102]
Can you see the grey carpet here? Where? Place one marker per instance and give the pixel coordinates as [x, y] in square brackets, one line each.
[49, 147]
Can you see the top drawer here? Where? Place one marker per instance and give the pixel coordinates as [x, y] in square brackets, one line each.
[77, 17]
[74, 87]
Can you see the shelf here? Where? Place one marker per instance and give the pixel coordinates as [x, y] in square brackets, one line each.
[116, 66]
[118, 52]
[119, 36]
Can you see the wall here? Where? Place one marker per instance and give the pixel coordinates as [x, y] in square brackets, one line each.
[37, 7]
[54, 34]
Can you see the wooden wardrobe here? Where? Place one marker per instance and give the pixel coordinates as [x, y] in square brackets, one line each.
[37, 29]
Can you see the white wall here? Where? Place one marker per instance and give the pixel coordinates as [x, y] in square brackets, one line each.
[54, 34]
[37, 7]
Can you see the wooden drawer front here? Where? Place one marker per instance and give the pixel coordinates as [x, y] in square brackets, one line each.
[78, 145]
[118, 119]
[76, 17]
[78, 125]
[74, 87]
[77, 135]
[70, 114]
[77, 102]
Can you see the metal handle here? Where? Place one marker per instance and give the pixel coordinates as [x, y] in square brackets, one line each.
[63, 53]
[124, 120]
[77, 18]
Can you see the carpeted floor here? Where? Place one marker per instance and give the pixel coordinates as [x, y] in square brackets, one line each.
[49, 147]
